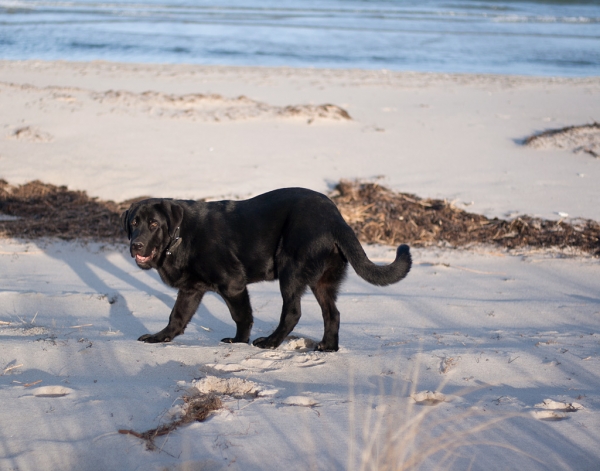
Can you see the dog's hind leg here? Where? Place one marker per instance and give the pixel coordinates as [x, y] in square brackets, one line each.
[326, 295]
[241, 312]
[326, 290]
[292, 289]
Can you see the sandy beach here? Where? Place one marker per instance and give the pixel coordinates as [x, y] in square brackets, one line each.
[481, 359]
[122, 131]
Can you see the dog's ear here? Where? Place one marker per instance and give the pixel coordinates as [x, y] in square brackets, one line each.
[174, 213]
[125, 223]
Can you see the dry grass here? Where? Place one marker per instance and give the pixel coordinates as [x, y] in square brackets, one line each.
[433, 430]
[410, 441]
[377, 215]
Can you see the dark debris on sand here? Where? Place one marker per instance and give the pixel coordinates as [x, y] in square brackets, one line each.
[196, 409]
[377, 215]
[45, 210]
[584, 138]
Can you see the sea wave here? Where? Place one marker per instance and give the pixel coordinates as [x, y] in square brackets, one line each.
[296, 10]
[546, 19]
[428, 35]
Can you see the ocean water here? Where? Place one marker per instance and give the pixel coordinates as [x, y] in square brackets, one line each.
[541, 37]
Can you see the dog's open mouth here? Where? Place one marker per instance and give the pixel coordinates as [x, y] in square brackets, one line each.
[141, 259]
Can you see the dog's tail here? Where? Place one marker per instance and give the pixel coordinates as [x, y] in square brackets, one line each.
[380, 275]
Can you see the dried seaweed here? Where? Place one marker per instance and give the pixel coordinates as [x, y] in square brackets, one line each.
[554, 132]
[584, 138]
[377, 215]
[197, 409]
[44, 210]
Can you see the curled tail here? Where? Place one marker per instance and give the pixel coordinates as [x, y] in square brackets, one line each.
[380, 275]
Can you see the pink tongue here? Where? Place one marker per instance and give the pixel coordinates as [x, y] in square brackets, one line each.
[142, 259]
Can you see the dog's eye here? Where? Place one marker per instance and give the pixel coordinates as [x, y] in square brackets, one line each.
[153, 224]
[134, 222]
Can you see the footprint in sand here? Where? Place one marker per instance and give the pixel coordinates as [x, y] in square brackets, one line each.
[550, 404]
[298, 344]
[299, 351]
[308, 359]
[252, 363]
[553, 411]
[275, 355]
[205, 465]
[234, 387]
[303, 401]
[264, 364]
[428, 398]
[549, 415]
[51, 391]
[224, 367]
[259, 363]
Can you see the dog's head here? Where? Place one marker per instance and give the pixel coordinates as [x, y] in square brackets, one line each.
[151, 226]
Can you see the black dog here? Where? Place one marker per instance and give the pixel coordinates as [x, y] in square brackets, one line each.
[294, 235]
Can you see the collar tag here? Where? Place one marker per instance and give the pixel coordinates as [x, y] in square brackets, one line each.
[175, 242]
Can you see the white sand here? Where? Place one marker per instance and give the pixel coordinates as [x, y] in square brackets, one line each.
[499, 341]
[437, 136]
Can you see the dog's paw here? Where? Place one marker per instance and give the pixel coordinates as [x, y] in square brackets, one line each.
[155, 338]
[264, 342]
[322, 347]
[234, 340]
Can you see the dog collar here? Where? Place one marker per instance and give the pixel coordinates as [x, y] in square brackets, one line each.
[175, 241]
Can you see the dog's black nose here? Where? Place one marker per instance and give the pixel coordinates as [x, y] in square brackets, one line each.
[137, 245]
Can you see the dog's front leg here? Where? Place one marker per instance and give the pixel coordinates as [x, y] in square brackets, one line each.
[185, 307]
[290, 316]
[241, 312]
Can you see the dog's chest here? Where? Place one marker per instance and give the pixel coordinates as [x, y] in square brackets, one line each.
[183, 278]
[173, 276]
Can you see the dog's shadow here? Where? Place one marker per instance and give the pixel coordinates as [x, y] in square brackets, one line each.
[88, 262]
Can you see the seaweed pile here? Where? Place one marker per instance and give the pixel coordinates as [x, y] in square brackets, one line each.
[584, 138]
[377, 215]
[42, 210]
